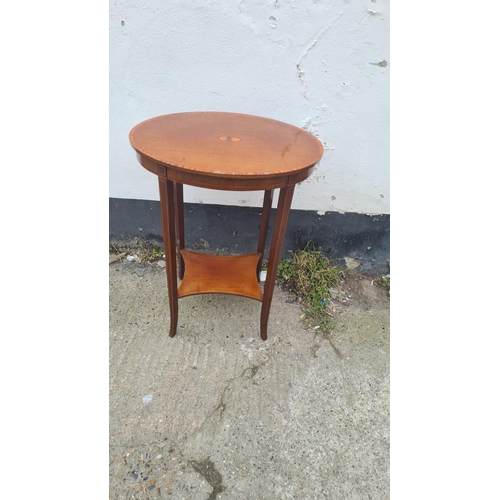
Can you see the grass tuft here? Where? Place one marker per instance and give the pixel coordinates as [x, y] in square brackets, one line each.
[143, 251]
[385, 282]
[311, 276]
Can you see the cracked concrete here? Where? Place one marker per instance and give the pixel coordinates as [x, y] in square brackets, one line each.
[217, 413]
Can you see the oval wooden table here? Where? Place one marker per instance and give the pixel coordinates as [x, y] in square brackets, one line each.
[226, 151]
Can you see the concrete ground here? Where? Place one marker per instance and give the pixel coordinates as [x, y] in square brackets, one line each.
[218, 413]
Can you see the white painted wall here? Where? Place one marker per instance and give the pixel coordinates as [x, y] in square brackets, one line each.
[311, 63]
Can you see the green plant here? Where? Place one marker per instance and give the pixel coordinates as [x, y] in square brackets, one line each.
[385, 282]
[153, 253]
[285, 270]
[310, 275]
[144, 251]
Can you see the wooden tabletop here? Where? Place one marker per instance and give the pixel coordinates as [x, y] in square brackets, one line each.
[227, 145]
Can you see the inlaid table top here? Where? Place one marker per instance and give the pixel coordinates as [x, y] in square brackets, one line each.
[227, 145]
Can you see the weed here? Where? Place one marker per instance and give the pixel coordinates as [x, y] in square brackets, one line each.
[385, 282]
[311, 276]
[143, 251]
[154, 253]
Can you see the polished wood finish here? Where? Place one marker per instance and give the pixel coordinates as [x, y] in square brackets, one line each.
[229, 274]
[179, 224]
[192, 142]
[168, 226]
[280, 222]
[264, 227]
[226, 151]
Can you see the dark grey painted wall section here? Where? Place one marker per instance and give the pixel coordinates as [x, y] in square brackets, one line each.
[235, 229]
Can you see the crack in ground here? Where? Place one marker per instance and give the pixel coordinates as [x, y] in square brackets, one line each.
[206, 467]
[325, 336]
[221, 407]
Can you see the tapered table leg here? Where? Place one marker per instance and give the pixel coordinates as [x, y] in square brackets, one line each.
[179, 221]
[168, 227]
[264, 227]
[280, 222]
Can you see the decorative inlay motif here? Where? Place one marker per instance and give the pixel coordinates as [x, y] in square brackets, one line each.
[228, 138]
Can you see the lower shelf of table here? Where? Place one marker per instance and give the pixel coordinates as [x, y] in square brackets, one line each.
[229, 274]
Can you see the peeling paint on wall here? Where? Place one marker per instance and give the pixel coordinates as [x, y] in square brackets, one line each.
[382, 64]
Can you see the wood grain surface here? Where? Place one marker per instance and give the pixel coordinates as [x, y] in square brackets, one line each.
[230, 274]
[226, 144]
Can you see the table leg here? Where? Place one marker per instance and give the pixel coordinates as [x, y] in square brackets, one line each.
[168, 227]
[179, 220]
[264, 227]
[280, 222]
